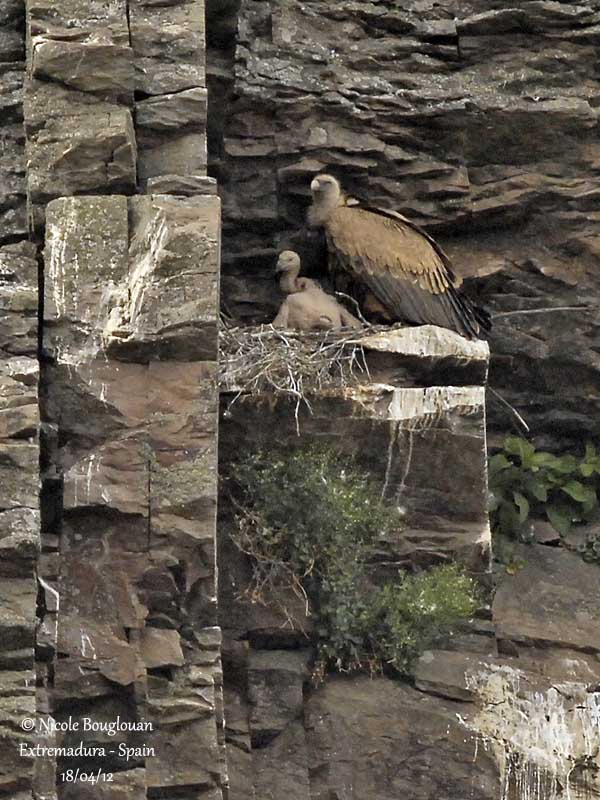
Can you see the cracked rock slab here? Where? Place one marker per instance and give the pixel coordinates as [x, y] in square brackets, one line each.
[102, 69]
[168, 43]
[554, 599]
[80, 20]
[95, 153]
[275, 691]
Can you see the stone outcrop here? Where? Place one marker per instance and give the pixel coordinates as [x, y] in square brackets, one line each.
[138, 465]
[413, 392]
[19, 424]
[126, 594]
[13, 224]
[508, 709]
[479, 123]
[535, 699]
[477, 120]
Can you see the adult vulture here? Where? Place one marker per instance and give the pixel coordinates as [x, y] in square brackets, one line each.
[380, 252]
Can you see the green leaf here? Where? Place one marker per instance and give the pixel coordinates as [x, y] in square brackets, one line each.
[564, 465]
[499, 462]
[580, 492]
[521, 448]
[587, 469]
[560, 518]
[501, 481]
[536, 487]
[522, 504]
[543, 459]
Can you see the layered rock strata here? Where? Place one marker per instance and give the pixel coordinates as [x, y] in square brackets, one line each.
[115, 98]
[410, 409]
[19, 423]
[477, 120]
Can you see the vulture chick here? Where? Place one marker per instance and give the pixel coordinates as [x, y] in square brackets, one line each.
[379, 253]
[307, 307]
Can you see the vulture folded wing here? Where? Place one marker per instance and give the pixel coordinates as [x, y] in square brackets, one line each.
[403, 267]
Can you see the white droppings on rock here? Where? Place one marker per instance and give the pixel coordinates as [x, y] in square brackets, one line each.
[413, 404]
[538, 736]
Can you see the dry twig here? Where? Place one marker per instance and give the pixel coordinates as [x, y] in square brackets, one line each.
[292, 363]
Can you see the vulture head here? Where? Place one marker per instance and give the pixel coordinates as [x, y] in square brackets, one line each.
[327, 196]
[288, 268]
[289, 263]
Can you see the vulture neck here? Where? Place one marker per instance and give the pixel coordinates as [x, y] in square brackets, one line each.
[323, 208]
[289, 283]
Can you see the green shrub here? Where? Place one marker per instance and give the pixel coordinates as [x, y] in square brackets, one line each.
[308, 519]
[526, 484]
[421, 610]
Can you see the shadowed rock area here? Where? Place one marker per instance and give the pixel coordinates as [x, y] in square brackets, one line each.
[476, 120]
[479, 122]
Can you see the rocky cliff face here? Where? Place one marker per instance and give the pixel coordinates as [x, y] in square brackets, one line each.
[103, 170]
[19, 420]
[475, 119]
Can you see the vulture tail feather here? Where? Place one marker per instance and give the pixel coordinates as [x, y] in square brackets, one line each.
[473, 317]
[482, 315]
[463, 313]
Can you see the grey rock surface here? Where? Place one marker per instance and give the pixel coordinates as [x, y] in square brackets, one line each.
[168, 43]
[479, 122]
[186, 185]
[12, 155]
[82, 155]
[127, 601]
[275, 691]
[553, 600]
[19, 424]
[105, 69]
[475, 120]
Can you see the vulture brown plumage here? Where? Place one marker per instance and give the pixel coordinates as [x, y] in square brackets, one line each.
[393, 259]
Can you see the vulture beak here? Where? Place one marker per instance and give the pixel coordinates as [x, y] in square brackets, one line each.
[315, 186]
[279, 266]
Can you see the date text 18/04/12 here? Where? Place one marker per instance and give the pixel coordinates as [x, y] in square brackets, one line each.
[74, 775]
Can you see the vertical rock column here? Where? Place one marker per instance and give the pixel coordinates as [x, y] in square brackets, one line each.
[19, 422]
[168, 41]
[129, 392]
[171, 317]
[78, 101]
[19, 508]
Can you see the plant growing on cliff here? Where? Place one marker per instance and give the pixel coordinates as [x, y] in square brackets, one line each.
[527, 484]
[308, 520]
[420, 610]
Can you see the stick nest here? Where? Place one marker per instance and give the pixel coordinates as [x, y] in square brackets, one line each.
[254, 360]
